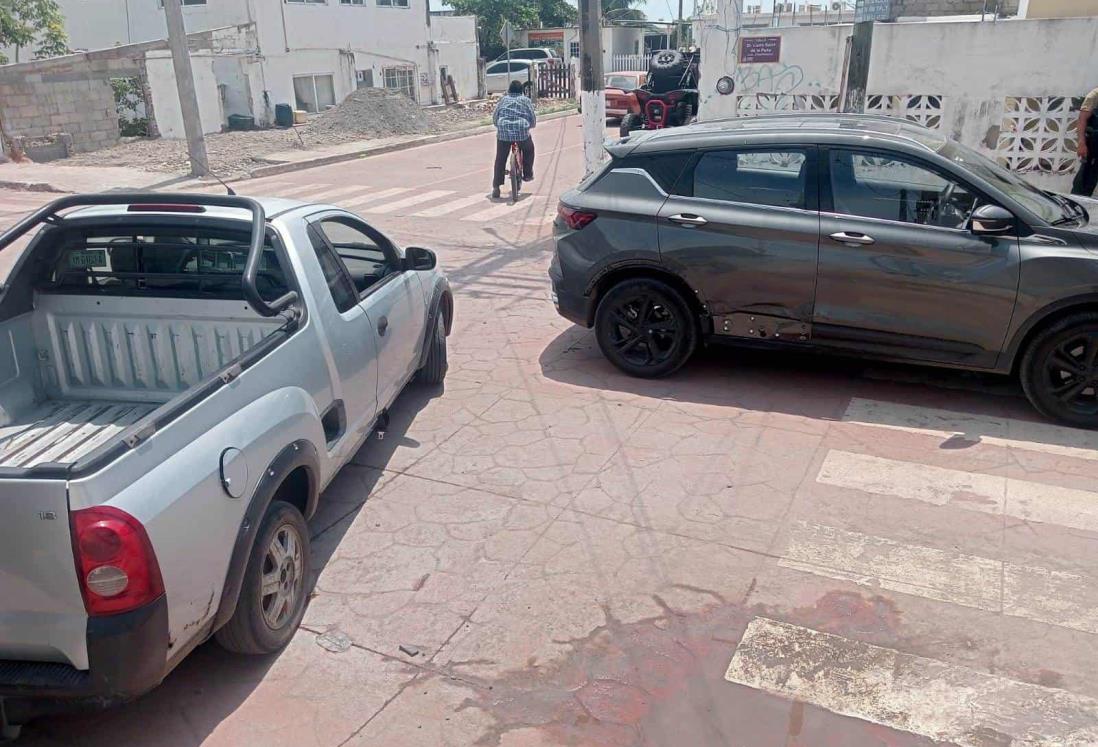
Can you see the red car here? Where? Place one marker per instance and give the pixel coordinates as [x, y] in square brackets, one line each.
[620, 99]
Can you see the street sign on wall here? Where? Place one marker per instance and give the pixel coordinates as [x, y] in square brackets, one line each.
[873, 10]
[760, 49]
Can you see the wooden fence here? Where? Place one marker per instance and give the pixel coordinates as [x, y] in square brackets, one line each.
[556, 82]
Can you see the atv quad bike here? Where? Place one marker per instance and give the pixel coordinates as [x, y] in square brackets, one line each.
[670, 97]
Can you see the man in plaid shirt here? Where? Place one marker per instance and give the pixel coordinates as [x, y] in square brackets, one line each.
[513, 118]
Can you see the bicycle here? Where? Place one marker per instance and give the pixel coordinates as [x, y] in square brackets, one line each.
[515, 172]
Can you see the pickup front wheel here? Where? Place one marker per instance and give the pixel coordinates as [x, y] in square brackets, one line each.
[272, 599]
[434, 370]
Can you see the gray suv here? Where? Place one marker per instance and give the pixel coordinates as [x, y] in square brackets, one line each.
[860, 234]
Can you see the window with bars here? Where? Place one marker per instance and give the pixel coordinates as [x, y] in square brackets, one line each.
[160, 3]
[574, 49]
[392, 3]
[309, 2]
[401, 79]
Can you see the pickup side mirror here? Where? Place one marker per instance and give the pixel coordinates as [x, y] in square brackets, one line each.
[992, 220]
[418, 258]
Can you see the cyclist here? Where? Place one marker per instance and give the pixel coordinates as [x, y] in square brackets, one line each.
[514, 118]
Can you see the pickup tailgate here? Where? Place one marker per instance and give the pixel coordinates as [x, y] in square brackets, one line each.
[42, 615]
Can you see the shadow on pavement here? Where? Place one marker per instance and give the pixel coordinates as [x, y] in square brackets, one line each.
[805, 384]
[210, 684]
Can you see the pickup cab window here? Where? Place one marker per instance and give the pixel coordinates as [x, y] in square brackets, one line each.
[166, 261]
[368, 257]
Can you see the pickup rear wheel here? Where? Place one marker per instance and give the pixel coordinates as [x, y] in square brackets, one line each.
[434, 370]
[1060, 371]
[272, 598]
[645, 328]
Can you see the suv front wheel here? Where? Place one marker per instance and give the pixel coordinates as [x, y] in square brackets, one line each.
[1060, 371]
[644, 327]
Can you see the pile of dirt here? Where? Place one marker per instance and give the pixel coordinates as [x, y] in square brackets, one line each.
[370, 113]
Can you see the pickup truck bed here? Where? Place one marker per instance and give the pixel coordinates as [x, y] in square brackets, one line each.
[88, 367]
[64, 431]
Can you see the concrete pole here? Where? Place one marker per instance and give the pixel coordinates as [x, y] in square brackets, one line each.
[592, 97]
[857, 68]
[184, 83]
[678, 27]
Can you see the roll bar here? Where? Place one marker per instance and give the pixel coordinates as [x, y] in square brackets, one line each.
[48, 214]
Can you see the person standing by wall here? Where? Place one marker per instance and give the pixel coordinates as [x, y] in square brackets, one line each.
[1087, 133]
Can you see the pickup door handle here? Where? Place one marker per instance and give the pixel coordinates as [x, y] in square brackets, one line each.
[852, 238]
[688, 220]
[383, 325]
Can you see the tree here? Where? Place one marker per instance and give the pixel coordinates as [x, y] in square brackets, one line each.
[622, 10]
[32, 23]
[522, 14]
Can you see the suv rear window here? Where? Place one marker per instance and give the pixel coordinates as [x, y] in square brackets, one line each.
[160, 261]
[664, 168]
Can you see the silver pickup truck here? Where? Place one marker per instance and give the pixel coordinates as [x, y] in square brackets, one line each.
[180, 377]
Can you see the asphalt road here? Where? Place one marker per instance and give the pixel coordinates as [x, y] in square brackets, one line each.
[763, 550]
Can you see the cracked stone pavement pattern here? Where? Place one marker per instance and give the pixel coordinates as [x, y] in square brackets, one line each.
[574, 556]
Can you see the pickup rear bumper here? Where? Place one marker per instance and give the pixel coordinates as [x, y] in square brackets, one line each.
[127, 657]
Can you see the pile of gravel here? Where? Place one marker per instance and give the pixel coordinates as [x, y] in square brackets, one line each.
[369, 113]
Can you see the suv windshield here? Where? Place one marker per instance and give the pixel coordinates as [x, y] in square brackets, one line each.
[1019, 189]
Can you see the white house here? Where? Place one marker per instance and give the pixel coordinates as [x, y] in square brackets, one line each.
[621, 45]
[309, 53]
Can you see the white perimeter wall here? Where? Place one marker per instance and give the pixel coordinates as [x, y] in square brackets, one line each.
[974, 67]
[166, 100]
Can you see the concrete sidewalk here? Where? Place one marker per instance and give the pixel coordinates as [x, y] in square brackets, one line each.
[53, 177]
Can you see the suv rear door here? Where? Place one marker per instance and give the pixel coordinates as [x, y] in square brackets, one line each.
[742, 228]
[42, 615]
[900, 271]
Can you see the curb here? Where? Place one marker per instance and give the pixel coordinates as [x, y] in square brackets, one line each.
[310, 163]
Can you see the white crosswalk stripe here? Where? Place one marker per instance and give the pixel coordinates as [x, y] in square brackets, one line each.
[907, 692]
[301, 191]
[521, 210]
[329, 195]
[1024, 434]
[407, 202]
[450, 207]
[384, 194]
[1030, 592]
[971, 491]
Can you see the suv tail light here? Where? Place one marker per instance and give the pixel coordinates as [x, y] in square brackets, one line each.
[575, 219]
[114, 560]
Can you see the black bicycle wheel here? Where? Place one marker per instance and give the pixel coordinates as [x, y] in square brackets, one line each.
[516, 175]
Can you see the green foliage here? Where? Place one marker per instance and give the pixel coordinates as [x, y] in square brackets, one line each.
[521, 13]
[129, 102]
[622, 10]
[33, 23]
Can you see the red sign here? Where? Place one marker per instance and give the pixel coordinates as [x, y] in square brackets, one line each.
[534, 36]
[760, 49]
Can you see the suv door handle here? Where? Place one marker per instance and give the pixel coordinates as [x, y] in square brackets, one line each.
[687, 220]
[383, 325]
[852, 238]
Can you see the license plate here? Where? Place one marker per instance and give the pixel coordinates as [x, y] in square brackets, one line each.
[88, 258]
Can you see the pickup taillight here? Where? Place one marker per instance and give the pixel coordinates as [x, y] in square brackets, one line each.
[115, 561]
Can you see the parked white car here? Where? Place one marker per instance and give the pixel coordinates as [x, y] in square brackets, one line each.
[183, 376]
[534, 54]
[498, 75]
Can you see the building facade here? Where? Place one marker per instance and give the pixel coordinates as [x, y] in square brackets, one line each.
[309, 53]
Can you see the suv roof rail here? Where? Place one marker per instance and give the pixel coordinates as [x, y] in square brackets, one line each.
[48, 214]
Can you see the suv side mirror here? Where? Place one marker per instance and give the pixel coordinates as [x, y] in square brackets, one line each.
[418, 258]
[991, 220]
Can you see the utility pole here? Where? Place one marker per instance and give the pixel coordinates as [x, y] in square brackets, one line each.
[184, 83]
[857, 67]
[678, 27]
[592, 97]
